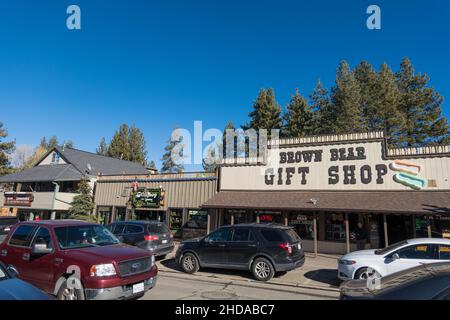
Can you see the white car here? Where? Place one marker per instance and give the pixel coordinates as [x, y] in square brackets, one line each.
[397, 257]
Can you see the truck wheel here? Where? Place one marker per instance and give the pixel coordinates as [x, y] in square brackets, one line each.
[65, 293]
[262, 269]
[189, 263]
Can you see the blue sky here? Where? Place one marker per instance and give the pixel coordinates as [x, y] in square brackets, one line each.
[164, 64]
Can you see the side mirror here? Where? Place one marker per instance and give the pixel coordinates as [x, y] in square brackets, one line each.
[395, 256]
[40, 249]
[12, 271]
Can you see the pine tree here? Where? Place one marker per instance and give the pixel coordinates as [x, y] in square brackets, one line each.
[172, 159]
[151, 164]
[6, 148]
[367, 80]
[298, 119]
[266, 113]
[128, 143]
[136, 143]
[118, 147]
[346, 99]
[386, 114]
[323, 116]
[102, 148]
[422, 108]
[83, 203]
[210, 162]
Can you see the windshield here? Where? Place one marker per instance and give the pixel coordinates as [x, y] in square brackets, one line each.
[84, 236]
[390, 248]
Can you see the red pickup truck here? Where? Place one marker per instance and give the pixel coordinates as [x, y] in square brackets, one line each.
[76, 260]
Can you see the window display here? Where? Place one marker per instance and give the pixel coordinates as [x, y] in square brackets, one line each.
[303, 224]
[176, 221]
[335, 227]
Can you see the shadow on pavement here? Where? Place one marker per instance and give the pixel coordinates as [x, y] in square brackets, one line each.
[171, 264]
[327, 276]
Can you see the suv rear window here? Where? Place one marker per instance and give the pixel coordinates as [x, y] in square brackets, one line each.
[22, 236]
[273, 235]
[157, 228]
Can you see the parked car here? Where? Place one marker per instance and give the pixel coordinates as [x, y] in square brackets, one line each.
[424, 282]
[261, 248]
[5, 226]
[77, 260]
[397, 257]
[153, 236]
[12, 288]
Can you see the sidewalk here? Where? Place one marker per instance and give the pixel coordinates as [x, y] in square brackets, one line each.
[318, 273]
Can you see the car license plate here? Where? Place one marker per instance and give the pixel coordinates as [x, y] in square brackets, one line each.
[164, 241]
[138, 287]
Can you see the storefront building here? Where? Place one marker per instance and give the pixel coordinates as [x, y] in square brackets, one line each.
[47, 190]
[324, 185]
[174, 199]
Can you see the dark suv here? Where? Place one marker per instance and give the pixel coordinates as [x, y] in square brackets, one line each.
[261, 248]
[153, 236]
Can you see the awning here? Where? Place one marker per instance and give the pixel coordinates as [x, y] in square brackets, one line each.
[417, 202]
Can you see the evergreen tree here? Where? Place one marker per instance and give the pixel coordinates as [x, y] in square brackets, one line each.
[83, 203]
[266, 113]
[151, 164]
[172, 159]
[6, 148]
[322, 116]
[102, 148]
[421, 106]
[346, 99]
[128, 143]
[386, 114]
[229, 126]
[367, 80]
[118, 147]
[298, 117]
[210, 162]
[136, 144]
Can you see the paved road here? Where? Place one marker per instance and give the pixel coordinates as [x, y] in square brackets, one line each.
[193, 287]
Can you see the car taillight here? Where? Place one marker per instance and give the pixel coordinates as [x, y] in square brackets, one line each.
[151, 238]
[286, 247]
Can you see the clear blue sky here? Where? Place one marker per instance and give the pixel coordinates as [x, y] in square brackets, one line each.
[163, 64]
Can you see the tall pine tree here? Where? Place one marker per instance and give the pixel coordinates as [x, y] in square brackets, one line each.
[299, 117]
[346, 99]
[118, 147]
[266, 113]
[136, 144]
[172, 159]
[128, 143]
[367, 80]
[422, 108]
[102, 148]
[323, 115]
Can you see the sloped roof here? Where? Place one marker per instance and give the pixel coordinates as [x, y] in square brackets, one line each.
[78, 164]
[84, 160]
[54, 172]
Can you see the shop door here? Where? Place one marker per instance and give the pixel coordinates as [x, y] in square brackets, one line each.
[399, 228]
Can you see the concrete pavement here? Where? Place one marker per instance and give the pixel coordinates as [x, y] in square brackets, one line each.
[317, 279]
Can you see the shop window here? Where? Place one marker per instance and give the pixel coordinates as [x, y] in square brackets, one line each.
[197, 219]
[121, 213]
[335, 227]
[440, 227]
[303, 224]
[176, 221]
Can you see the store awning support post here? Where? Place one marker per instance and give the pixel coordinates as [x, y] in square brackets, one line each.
[347, 233]
[315, 234]
[386, 238]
